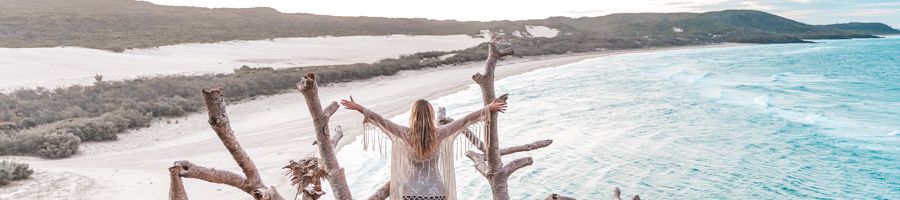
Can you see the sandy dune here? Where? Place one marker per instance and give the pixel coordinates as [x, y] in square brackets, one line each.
[60, 66]
[272, 129]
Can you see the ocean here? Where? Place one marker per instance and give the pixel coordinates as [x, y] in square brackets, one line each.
[783, 121]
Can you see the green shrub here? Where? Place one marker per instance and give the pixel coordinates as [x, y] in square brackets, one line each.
[12, 171]
[24, 142]
[19, 170]
[8, 144]
[5, 177]
[58, 145]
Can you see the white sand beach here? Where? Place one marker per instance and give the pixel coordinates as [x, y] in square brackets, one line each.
[272, 129]
[62, 66]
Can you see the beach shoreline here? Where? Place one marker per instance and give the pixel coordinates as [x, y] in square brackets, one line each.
[272, 129]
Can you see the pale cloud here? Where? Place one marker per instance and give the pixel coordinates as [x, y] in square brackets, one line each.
[869, 12]
[881, 5]
[755, 5]
[797, 14]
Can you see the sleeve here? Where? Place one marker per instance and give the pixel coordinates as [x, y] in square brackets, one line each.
[390, 128]
[458, 125]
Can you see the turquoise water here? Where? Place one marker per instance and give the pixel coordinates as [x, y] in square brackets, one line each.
[793, 121]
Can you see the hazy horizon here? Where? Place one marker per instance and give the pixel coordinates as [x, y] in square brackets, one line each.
[806, 11]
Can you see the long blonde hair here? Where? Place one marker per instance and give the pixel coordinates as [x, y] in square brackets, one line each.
[422, 136]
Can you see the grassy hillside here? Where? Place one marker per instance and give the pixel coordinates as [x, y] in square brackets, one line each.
[122, 24]
[745, 26]
[865, 28]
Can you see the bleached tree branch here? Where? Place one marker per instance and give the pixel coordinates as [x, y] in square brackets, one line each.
[336, 178]
[190, 170]
[338, 135]
[493, 170]
[526, 147]
[218, 119]
[249, 183]
[516, 164]
[521, 148]
[479, 161]
[618, 193]
[330, 110]
[555, 196]
[176, 186]
[383, 193]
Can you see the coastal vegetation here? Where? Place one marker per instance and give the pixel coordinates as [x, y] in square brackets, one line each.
[52, 123]
[13, 171]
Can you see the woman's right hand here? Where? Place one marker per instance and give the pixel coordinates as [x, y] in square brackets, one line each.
[351, 105]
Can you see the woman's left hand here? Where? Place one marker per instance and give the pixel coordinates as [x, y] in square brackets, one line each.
[497, 106]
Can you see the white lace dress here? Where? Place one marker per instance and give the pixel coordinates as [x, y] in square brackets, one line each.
[413, 178]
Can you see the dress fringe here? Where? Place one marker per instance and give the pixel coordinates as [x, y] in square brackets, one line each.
[374, 139]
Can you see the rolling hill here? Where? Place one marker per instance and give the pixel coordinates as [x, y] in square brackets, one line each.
[122, 24]
[865, 28]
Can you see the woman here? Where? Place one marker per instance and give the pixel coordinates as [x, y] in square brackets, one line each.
[422, 154]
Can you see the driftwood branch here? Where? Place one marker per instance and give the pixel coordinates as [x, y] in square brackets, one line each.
[485, 81]
[493, 139]
[558, 197]
[190, 170]
[336, 178]
[383, 193]
[618, 193]
[250, 182]
[526, 147]
[330, 110]
[176, 188]
[479, 161]
[516, 164]
[305, 169]
[490, 163]
[218, 119]
[338, 135]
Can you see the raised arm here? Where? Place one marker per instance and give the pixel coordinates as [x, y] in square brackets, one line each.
[456, 126]
[390, 128]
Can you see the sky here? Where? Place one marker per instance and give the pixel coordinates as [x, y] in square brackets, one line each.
[807, 11]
